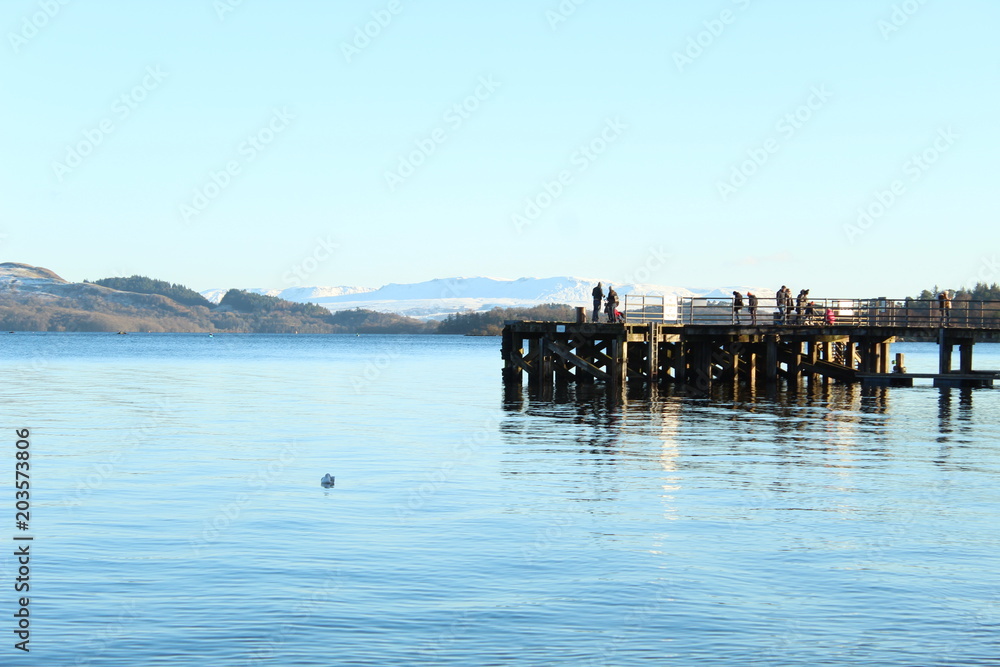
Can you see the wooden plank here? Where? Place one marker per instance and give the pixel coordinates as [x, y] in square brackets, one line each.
[519, 361]
[830, 369]
[619, 362]
[771, 359]
[510, 351]
[566, 354]
[680, 362]
[653, 353]
[543, 366]
[944, 353]
[965, 356]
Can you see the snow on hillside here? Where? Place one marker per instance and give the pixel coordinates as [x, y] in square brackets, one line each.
[297, 294]
[431, 299]
[436, 299]
[15, 275]
[214, 295]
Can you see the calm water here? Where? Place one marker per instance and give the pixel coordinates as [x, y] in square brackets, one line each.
[179, 520]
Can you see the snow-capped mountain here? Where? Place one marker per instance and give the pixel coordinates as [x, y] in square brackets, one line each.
[435, 299]
[429, 300]
[297, 294]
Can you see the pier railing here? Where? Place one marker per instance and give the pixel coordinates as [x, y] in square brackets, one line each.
[843, 311]
[641, 308]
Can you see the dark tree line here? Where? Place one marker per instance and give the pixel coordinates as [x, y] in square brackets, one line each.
[139, 303]
[251, 302]
[144, 285]
[490, 322]
[980, 292]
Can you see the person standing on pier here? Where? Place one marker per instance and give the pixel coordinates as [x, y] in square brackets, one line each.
[779, 302]
[611, 305]
[944, 302]
[598, 298]
[752, 308]
[800, 304]
[789, 305]
[737, 306]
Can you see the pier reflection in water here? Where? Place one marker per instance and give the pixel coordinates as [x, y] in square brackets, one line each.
[830, 521]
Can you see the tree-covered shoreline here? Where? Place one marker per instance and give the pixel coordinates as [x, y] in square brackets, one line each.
[139, 303]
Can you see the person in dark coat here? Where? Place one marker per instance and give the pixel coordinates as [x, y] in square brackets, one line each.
[611, 305]
[752, 308]
[598, 298]
[737, 306]
[779, 302]
[800, 304]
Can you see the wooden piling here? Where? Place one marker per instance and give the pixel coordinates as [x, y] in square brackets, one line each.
[771, 358]
[945, 348]
[702, 356]
[653, 353]
[965, 356]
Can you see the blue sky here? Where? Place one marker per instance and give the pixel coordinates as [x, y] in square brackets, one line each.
[846, 146]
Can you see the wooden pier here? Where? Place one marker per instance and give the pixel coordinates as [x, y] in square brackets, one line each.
[702, 354]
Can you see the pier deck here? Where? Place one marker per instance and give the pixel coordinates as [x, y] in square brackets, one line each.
[706, 352]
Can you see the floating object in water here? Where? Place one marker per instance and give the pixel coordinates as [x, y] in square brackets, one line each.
[327, 481]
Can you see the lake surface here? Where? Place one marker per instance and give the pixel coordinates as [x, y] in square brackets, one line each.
[178, 517]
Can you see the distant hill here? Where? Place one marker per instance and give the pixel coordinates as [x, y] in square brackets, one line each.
[26, 275]
[36, 299]
[144, 285]
[439, 298]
